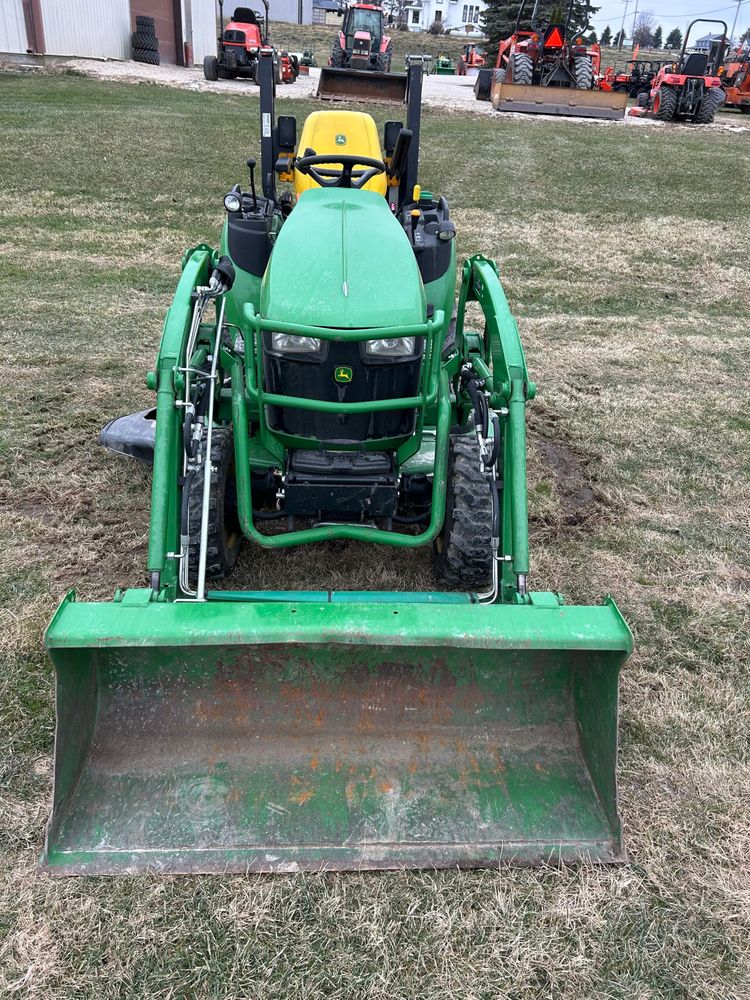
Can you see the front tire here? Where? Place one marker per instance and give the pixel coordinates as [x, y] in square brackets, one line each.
[384, 61]
[337, 56]
[462, 552]
[211, 68]
[224, 535]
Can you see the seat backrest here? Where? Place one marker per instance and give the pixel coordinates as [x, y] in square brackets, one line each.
[245, 15]
[351, 132]
[694, 64]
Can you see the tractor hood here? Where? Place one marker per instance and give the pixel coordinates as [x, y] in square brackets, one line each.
[342, 260]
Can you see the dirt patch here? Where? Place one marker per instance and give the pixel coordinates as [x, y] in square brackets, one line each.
[562, 491]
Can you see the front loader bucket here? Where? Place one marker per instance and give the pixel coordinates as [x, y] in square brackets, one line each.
[558, 101]
[333, 731]
[361, 85]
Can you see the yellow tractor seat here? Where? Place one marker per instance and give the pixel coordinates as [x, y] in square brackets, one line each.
[351, 132]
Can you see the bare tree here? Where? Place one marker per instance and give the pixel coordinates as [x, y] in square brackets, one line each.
[396, 11]
[645, 25]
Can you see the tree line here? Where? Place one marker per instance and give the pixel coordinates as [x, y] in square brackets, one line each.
[501, 17]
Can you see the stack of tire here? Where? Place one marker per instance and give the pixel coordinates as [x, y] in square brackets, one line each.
[144, 40]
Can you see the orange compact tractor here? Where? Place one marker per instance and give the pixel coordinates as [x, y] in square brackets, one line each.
[472, 57]
[239, 46]
[543, 70]
[689, 89]
[735, 79]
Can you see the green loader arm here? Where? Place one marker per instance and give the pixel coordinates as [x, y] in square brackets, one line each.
[499, 360]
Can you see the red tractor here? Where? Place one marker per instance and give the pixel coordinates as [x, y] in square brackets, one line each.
[239, 46]
[545, 56]
[690, 89]
[362, 42]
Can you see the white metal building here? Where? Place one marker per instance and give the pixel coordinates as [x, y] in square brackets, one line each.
[101, 29]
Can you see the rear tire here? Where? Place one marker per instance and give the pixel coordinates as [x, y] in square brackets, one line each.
[710, 104]
[665, 104]
[462, 552]
[583, 71]
[521, 69]
[145, 24]
[224, 536]
[211, 68]
[642, 100]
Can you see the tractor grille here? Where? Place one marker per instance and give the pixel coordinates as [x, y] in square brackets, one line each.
[314, 378]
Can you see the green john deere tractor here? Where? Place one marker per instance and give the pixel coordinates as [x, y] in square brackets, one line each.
[316, 380]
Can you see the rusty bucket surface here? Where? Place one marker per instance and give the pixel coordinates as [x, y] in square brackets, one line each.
[318, 734]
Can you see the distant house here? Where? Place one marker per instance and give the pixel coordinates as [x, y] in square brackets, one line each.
[704, 44]
[101, 29]
[326, 12]
[461, 18]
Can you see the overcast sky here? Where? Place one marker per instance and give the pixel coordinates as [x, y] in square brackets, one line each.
[671, 14]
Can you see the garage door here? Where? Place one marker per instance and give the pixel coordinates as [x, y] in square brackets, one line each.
[166, 13]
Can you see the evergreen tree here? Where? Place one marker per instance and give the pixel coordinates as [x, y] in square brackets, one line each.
[619, 39]
[592, 39]
[499, 19]
[674, 39]
[606, 38]
[746, 36]
[657, 37]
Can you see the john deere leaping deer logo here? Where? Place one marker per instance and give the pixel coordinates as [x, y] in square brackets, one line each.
[343, 374]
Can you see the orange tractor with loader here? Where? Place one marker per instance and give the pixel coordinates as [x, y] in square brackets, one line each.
[735, 79]
[546, 69]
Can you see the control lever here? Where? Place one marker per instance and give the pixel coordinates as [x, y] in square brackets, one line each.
[415, 217]
[251, 163]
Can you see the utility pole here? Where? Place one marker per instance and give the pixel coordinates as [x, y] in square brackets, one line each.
[736, 15]
[622, 26]
[635, 15]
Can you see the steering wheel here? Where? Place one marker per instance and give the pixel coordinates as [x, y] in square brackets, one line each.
[346, 176]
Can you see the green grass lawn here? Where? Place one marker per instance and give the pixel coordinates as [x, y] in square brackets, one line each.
[624, 252]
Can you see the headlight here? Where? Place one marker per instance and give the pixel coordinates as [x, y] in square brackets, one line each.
[296, 345]
[397, 348]
[232, 202]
